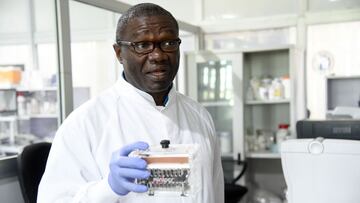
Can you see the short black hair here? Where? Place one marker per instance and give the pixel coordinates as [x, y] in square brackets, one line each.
[141, 10]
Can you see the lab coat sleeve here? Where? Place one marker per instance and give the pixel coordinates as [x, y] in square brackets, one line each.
[71, 174]
[218, 174]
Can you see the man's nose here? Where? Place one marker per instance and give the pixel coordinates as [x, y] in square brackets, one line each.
[157, 54]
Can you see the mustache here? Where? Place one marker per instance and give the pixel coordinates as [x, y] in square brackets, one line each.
[159, 66]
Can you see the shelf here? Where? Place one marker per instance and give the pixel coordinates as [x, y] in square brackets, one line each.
[8, 87]
[7, 118]
[263, 155]
[21, 89]
[257, 102]
[217, 103]
[27, 117]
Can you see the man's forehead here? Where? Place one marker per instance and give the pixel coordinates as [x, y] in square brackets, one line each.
[147, 30]
[146, 24]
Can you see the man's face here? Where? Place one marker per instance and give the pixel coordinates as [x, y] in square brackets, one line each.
[155, 71]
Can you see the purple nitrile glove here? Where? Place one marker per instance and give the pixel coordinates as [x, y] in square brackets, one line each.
[124, 170]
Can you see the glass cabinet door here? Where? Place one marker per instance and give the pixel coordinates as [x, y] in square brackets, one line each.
[214, 81]
[210, 82]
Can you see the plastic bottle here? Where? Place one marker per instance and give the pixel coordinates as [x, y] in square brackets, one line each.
[272, 89]
[286, 82]
[264, 88]
[34, 106]
[282, 134]
[21, 105]
[278, 89]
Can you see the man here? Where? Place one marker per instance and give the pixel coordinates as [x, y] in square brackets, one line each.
[89, 159]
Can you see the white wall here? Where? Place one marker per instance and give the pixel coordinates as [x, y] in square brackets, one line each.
[84, 18]
[10, 54]
[342, 41]
[327, 5]
[44, 13]
[247, 39]
[13, 16]
[95, 67]
[185, 10]
[197, 11]
[230, 9]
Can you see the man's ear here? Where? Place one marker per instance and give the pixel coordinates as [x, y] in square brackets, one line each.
[117, 50]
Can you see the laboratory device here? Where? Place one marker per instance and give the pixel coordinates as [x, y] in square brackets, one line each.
[323, 170]
[171, 167]
[332, 129]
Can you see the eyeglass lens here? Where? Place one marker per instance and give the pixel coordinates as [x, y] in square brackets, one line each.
[166, 46]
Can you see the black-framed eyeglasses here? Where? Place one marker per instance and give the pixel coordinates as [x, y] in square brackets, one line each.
[146, 47]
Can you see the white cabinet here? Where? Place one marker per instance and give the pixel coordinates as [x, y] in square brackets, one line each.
[249, 118]
[269, 99]
[271, 72]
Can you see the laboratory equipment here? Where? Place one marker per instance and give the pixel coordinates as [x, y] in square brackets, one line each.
[321, 170]
[172, 169]
[334, 129]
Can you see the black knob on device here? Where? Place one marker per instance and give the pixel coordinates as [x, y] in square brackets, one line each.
[165, 143]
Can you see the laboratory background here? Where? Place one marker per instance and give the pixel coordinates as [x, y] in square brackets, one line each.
[259, 67]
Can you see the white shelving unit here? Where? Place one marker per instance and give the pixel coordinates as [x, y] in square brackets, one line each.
[256, 102]
[264, 116]
[244, 114]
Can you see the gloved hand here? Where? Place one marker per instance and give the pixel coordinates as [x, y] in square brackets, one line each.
[124, 170]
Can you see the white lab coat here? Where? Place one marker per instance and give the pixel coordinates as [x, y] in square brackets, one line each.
[78, 163]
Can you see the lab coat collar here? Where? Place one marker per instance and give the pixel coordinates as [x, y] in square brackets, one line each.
[126, 89]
